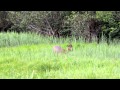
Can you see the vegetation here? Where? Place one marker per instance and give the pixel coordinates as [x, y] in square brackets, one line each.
[37, 60]
[27, 39]
[63, 23]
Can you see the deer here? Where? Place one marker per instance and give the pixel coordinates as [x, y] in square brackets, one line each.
[69, 47]
[59, 49]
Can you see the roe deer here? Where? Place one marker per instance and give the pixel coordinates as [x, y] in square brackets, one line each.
[58, 49]
[69, 47]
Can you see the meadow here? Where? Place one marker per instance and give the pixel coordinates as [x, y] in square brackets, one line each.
[29, 56]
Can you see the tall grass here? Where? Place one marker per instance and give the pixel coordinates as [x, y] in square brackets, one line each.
[37, 60]
[15, 39]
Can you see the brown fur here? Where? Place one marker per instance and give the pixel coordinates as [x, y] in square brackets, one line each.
[58, 49]
[69, 47]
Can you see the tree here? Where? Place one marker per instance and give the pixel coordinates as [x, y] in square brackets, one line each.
[5, 24]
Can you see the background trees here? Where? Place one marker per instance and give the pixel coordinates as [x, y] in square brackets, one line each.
[89, 25]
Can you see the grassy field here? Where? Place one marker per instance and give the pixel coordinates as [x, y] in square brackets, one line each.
[28, 56]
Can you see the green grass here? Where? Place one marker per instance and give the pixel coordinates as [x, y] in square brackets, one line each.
[31, 60]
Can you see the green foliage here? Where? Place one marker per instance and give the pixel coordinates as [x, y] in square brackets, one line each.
[61, 23]
[113, 28]
[86, 61]
[47, 22]
[106, 16]
[77, 22]
[14, 39]
[22, 19]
